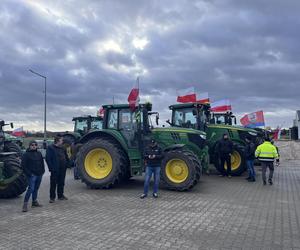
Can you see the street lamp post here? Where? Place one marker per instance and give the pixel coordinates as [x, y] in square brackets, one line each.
[45, 91]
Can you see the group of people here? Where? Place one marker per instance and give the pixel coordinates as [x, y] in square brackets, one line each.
[266, 153]
[57, 161]
[34, 168]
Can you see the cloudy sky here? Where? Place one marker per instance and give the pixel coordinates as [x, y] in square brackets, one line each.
[92, 51]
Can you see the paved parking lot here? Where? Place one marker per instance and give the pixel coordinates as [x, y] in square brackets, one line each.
[219, 213]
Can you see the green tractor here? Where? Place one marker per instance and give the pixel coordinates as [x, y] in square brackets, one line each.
[198, 116]
[82, 125]
[13, 181]
[115, 152]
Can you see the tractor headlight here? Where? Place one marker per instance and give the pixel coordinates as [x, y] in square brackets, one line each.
[203, 137]
[252, 133]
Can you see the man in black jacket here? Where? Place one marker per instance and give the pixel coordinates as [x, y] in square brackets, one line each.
[33, 166]
[250, 156]
[57, 161]
[225, 149]
[152, 156]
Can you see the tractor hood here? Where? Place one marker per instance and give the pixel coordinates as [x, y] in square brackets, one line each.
[236, 127]
[181, 130]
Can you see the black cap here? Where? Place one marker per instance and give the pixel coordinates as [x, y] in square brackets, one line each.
[32, 142]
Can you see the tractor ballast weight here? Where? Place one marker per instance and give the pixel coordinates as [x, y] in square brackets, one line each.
[13, 181]
[198, 116]
[115, 152]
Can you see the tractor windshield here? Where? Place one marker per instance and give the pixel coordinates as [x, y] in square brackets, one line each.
[81, 126]
[189, 118]
[96, 124]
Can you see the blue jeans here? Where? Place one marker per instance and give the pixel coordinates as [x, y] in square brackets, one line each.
[34, 183]
[251, 171]
[155, 170]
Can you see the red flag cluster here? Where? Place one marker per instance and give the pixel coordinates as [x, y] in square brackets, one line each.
[19, 132]
[133, 97]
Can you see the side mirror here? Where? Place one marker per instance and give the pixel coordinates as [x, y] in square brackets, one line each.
[235, 120]
[168, 121]
[11, 125]
[156, 119]
[194, 112]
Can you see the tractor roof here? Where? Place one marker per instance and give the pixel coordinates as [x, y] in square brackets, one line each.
[188, 105]
[126, 106]
[84, 117]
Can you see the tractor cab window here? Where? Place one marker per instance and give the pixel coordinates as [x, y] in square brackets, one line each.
[128, 126]
[80, 126]
[96, 124]
[220, 119]
[185, 118]
[112, 119]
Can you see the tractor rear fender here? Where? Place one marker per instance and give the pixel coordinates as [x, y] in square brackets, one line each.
[113, 135]
[75, 135]
[174, 146]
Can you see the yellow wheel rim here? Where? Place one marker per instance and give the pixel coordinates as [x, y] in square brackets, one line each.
[98, 163]
[177, 171]
[236, 161]
[69, 151]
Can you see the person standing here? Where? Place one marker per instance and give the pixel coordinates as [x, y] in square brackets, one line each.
[152, 156]
[250, 156]
[225, 149]
[266, 154]
[57, 161]
[34, 168]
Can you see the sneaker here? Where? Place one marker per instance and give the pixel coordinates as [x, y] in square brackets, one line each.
[265, 183]
[63, 198]
[248, 178]
[51, 201]
[270, 182]
[143, 196]
[155, 195]
[251, 180]
[36, 204]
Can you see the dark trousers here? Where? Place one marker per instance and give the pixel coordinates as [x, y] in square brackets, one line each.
[227, 159]
[57, 182]
[264, 166]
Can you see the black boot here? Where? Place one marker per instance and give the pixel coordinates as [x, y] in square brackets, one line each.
[36, 204]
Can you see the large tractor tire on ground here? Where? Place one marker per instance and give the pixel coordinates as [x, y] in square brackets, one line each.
[15, 181]
[13, 147]
[100, 163]
[238, 161]
[180, 170]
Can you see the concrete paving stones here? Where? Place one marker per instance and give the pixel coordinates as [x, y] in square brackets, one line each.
[219, 213]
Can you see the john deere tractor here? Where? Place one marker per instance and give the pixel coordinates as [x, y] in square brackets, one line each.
[115, 152]
[198, 116]
[82, 125]
[13, 181]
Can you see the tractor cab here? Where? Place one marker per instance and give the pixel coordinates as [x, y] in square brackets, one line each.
[223, 118]
[83, 124]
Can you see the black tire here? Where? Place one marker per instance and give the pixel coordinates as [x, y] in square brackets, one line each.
[193, 166]
[12, 167]
[118, 159]
[238, 153]
[13, 147]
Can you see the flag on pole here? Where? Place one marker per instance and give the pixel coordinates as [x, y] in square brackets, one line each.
[18, 132]
[252, 120]
[220, 106]
[277, 133]
[186, 95]
[133, 97]
[203, 98]
[100, 112]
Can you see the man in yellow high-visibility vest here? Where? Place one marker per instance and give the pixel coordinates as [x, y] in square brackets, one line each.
[266, 153]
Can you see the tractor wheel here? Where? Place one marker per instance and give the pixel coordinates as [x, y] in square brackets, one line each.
[99, 163]
[13, 147]
[15, 181]
[238, 161]
[68, 143]
[181, 170]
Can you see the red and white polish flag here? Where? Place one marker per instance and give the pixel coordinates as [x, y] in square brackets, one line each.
[133, 97]
[186, 95]
[203, 98]
[220, 106]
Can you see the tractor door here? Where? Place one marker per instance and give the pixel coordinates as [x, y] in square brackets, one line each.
[128, 127]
